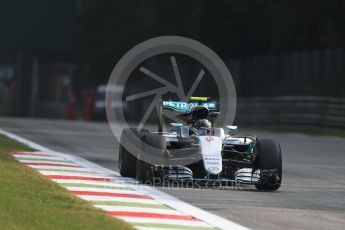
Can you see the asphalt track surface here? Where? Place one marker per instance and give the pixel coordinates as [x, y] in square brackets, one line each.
[312, 195]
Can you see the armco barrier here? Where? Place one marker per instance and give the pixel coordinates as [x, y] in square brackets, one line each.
[326, 112]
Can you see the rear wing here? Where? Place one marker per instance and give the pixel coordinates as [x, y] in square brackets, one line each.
[184, 107]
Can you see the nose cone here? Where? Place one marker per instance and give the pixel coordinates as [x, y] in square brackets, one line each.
[211, 150]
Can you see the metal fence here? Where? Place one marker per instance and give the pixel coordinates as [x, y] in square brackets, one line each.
[304, 88]
[292, 110]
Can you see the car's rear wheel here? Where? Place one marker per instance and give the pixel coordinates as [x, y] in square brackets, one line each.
[269, 160]
[127, 160]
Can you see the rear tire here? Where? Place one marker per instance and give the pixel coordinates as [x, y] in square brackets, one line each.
[269, 157]
[127, 160]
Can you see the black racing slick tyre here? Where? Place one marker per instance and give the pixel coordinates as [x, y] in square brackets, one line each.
[127, 160]
[155, 149]
[144, 171]
[153, 153]
[269, 161]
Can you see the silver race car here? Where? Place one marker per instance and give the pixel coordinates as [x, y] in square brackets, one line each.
[197, 150]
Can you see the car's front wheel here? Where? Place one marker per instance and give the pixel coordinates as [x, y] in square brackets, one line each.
[153, 153]
[269, 161]
[127, 160]
[144, 171]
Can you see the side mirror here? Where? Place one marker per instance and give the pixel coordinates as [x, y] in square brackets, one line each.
[231, 128]
[214, 114]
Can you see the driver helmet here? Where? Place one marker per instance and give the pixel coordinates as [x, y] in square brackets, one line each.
[204, 123]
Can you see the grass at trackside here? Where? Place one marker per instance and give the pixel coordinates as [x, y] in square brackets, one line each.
[29, 201]
[304, 130]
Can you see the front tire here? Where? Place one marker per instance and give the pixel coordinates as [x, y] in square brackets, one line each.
[153, 153]
[127, 160]
[125, 163]
[269, 158]
[144, 171]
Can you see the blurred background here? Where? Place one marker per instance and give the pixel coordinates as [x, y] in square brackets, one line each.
[287, 58]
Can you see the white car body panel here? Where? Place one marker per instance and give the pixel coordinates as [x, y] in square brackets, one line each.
[211, 150]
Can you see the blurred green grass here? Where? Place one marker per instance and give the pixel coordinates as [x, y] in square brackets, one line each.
[29, 201]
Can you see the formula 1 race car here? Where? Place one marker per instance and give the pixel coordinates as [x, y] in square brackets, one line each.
[196, 150]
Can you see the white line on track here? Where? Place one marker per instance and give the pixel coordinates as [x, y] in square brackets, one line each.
[137, 209]
[120, 199]
[90, 189]
[149, 228]
[90, 183]
[38, 167]
[30, 161]
[28, 157]
[167, 221]
[47, 173]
